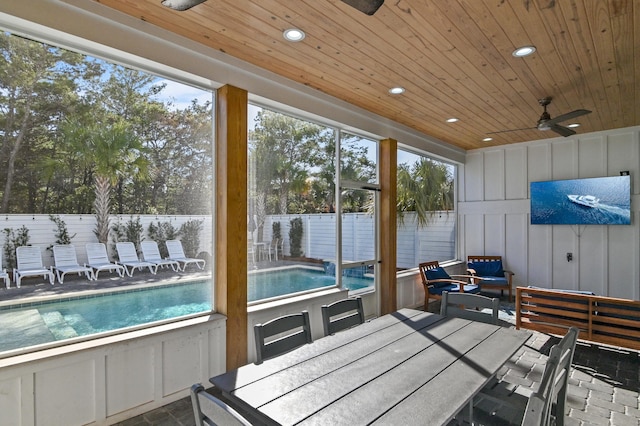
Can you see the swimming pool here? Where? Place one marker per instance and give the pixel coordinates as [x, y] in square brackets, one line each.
[31, 324]
[44, 322]
[274, 283]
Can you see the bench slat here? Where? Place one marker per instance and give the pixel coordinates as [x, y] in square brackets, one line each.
[602, 319]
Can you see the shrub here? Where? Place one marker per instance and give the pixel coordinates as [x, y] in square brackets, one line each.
[295, 237]
[14, 239]
[162, 232]
[61, 232]
[190, 232]
[275, 231]
[132, 231]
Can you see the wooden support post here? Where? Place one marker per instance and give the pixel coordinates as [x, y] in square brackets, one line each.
[388, 166]
[231, 219]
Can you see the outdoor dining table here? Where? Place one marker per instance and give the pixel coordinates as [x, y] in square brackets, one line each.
[408, 367]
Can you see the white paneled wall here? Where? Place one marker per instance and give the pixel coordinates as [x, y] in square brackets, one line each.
[108, 380]
[494, 211]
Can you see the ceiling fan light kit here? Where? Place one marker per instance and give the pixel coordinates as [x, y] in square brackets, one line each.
[365, 6]
[181, 5]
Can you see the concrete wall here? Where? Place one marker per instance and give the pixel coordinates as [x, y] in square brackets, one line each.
[494, 206]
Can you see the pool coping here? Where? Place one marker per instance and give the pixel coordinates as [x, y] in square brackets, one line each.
[9, 305]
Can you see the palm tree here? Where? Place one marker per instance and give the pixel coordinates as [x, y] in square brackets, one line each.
[114, 154]
[424, 188]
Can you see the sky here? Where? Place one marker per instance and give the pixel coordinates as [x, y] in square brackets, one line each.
[181, 94]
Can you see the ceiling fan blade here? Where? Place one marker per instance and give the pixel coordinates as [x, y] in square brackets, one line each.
[365, 6]
[569, 116]
[181, 5]
[511, 130]
[561, 130]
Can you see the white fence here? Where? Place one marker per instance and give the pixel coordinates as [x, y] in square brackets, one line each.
[415, 244]
[42, 231]
[436, 241]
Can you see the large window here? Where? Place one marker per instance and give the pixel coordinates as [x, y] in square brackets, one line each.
[358, 203]
[426, 216]
[292, 206]
[95, 152]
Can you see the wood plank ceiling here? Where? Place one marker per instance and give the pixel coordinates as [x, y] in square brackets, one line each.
[453, 57]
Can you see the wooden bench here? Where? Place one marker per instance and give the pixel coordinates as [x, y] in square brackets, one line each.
[600, 319]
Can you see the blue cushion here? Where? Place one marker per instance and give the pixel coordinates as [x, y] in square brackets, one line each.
[492, 268]
[454, 288]
[494, 280]
[438, 274]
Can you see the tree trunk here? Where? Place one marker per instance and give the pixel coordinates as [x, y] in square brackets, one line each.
[101, 205]
[11, 168]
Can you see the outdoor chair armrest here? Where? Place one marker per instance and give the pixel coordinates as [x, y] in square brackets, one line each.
[446, 280]
[471, 278]
[508, 274]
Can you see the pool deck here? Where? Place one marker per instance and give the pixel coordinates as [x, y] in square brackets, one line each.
[35, 288]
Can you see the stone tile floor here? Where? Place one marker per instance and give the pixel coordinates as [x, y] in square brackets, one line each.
[604, 387]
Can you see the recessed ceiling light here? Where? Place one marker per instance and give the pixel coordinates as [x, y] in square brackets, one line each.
[452, 120]
[293, 34]
[396, 90]
[487, 139]
[572, 125]
[523, 51]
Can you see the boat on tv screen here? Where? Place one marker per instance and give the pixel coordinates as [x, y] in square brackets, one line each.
[591, 201]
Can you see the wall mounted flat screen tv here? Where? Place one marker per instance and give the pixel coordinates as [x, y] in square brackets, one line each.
[592, 201]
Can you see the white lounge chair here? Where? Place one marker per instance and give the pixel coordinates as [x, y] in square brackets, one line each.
[98, 260]
[66, 261]
[29, 264]
[128, 257]
[151, 254]
[3, 272]
[176, 252]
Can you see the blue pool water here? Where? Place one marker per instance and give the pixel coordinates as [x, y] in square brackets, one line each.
[264, 285]
[45, 322]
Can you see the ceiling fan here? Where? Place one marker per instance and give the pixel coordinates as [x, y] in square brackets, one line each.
[181, 5]
[365, 6]
[547, 123]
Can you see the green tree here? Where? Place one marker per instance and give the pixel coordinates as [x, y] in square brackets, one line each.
[424, 187]
[38, 87]
[114, 154]
[48, 96]
[282, 149]
[183, 161]
[355, 165]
